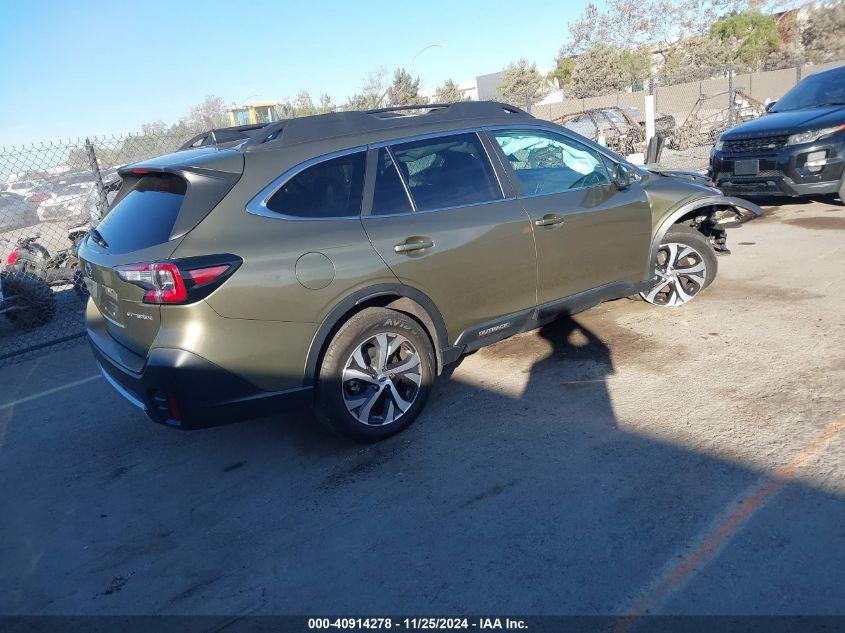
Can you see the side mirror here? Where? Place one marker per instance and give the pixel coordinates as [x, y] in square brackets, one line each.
[770, 105]
[622, 176]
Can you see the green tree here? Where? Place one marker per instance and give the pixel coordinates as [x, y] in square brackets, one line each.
[561, 75]
[405, 89]
[750, 37]
[696, 58]
[635, 65]
[304, 104]
[326, 104]
[373, 94]
[658, 25]
[449, 93]
[824, 33]
[599, 70]
[357, 101]
[787, 56]
[523, 85]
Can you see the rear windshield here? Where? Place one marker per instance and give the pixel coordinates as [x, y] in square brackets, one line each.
[145, 216]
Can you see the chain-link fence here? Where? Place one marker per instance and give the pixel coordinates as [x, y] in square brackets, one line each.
[52, 193]
[690, 116]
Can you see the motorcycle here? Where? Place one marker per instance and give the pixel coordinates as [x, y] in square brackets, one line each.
[62, 267]
[56, 269]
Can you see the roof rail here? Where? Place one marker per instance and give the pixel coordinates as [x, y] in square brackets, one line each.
[221, 135]
[333, 124]
[439, 106]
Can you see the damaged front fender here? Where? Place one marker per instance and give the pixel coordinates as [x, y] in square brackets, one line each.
[711, 215]
[745, 210]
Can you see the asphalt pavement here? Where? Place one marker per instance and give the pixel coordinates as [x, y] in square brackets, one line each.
[629, 460]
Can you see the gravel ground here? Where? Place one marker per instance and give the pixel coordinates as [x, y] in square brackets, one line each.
[629, 460]
[692, 159]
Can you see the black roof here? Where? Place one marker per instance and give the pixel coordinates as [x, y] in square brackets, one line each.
[223, 135]
[334, 124]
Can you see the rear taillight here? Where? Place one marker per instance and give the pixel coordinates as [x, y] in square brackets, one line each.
[205, 275]
[12, 258]
[163, 282]
[181, 281]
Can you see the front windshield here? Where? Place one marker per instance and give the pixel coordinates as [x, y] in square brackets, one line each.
[813, 92]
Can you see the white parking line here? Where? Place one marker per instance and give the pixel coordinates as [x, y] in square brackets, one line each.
[48, 392]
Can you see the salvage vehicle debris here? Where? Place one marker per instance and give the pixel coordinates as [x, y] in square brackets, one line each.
[707, 120]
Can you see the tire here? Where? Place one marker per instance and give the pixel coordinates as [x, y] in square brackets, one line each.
[33, 299]
[686, 265]
[355, 396]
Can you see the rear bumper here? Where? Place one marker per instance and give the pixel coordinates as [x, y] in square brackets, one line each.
[181, 389]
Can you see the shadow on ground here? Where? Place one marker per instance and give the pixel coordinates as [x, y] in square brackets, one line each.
[527, 498]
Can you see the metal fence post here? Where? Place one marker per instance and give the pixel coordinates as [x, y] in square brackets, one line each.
[650, 89]
[731, 105]
[798, 70]
[102, 198]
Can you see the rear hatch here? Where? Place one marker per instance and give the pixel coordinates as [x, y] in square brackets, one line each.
[158, 203]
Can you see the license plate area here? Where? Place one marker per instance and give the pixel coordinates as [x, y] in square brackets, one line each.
[750, 167]
[107, 301]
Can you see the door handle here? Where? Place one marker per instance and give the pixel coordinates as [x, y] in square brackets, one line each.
[418, 245]
[550, 219]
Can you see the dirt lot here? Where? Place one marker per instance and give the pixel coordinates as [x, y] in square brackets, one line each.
[629, 460]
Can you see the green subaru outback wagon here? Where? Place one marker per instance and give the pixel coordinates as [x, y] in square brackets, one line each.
[344, 259]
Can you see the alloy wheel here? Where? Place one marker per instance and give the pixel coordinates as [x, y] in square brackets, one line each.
[381, 379]
[681, 273]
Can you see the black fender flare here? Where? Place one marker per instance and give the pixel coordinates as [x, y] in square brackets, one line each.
[436, 325]
[747, 210]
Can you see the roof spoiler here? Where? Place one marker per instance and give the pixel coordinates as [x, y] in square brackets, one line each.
[217, 136]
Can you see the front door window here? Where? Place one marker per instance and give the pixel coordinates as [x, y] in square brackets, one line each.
[546, 163]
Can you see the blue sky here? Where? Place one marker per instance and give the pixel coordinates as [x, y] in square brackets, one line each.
[83, 67]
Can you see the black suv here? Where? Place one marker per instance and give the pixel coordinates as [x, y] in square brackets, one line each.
[797, 149]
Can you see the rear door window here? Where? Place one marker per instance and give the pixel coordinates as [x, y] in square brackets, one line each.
[447, 171]
[330, 189]
[389, 195]
[145, 216]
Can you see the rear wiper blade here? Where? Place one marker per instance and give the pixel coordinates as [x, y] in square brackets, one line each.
[98, 238]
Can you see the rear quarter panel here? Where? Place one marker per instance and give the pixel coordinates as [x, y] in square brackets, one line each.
[266, 286]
